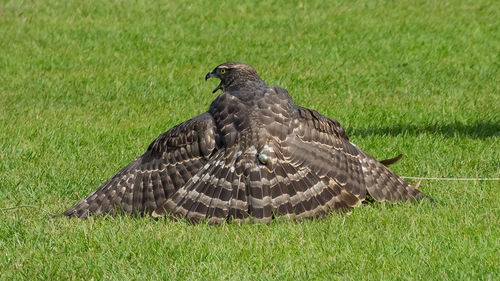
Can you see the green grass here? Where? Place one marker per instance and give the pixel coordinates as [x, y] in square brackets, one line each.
[85, 86]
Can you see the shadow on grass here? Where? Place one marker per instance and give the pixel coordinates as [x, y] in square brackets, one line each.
[479, 130]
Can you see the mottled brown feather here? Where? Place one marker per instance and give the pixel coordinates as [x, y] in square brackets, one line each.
[253, 156]
[133, 190]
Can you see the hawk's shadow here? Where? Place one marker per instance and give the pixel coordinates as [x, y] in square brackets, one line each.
[480, 130]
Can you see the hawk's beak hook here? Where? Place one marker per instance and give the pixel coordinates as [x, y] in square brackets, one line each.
[210, 75]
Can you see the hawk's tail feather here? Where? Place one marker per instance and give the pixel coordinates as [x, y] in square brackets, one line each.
[294, 192]
[318, 202]
[323, 188]
[323, 197]
[204, 196]
[217, 213]
[283, 207]
[259, 194]
[390, 161]
[242, 188]
[308, 195]
[238, 205]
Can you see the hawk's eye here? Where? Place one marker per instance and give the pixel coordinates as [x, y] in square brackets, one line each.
[222, 71]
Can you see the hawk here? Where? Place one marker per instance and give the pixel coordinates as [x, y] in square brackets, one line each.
[253, 155]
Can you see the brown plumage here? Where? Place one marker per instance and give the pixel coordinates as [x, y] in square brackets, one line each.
[254, 155]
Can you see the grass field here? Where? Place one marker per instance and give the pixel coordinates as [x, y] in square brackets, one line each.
[85, 86]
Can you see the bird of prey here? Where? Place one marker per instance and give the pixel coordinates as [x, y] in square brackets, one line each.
[253, 156]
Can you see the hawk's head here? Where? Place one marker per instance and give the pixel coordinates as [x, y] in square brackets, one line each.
[232, 73]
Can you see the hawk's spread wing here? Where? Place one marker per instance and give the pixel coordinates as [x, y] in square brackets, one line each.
[300, 164]
[329, 152]
[169, 162]
[253, 155]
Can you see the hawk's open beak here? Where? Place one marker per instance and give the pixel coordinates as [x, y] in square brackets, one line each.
[211, 75]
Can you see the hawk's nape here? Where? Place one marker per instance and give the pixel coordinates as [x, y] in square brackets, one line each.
[253, 156]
